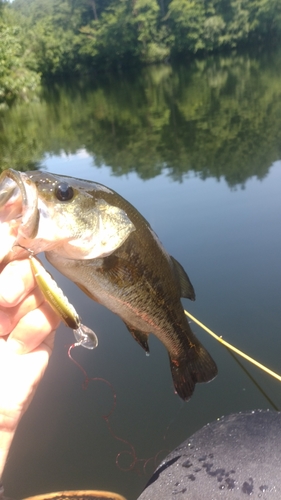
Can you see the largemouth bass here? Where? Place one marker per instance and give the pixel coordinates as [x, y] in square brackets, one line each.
[103, 244]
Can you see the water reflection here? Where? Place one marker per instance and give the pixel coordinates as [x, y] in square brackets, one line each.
[230, 243]
[219, 117]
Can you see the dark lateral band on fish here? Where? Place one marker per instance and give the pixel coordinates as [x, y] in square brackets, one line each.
[104, 245]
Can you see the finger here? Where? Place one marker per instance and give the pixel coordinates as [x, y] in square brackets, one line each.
[7, 238]
[22, 375]
[16, 281]
[10, 316]
[33, 329]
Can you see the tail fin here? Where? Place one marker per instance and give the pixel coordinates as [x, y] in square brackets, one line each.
[187, 371]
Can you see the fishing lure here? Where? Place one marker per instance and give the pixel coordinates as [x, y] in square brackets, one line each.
[61, 305]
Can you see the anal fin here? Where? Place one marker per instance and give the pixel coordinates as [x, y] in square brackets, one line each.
[139, 336]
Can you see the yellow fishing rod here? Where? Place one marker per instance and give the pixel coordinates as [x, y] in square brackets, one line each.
[234, 349]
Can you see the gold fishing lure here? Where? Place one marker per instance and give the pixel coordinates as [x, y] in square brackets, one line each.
[61, 305]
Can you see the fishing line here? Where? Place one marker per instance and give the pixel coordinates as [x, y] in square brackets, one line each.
[107, 416]
[131, 452]
[253, 380]
[234, 349]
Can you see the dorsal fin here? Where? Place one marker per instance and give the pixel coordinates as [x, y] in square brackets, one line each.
[186, 288]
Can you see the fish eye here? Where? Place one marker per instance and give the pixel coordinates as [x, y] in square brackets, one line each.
[64, 192]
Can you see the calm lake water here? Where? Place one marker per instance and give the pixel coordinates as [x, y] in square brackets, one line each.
[197, 150]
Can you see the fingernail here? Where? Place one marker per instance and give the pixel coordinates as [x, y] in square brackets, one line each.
[15, 346]
[5, 323]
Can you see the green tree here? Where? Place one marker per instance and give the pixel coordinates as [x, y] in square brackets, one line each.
[16, 79]
[111, 39]
[77, 36]
[187, 19]
[265, 18]
[152, 36]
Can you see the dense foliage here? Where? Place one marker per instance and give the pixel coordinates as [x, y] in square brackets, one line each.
[39, 37]
[16, 78]
[218, 117]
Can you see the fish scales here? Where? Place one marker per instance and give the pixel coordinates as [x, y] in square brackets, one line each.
[102, 243]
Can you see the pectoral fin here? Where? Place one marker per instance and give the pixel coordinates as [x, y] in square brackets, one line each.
[139, 336]
[86, 291]
[186, 288]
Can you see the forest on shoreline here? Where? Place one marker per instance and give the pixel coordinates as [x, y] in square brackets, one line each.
[217, 117]
[43, 40]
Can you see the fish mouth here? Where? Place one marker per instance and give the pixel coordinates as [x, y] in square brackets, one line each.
[19, 214]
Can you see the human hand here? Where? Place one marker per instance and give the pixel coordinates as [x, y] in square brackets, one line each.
[27, 328]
